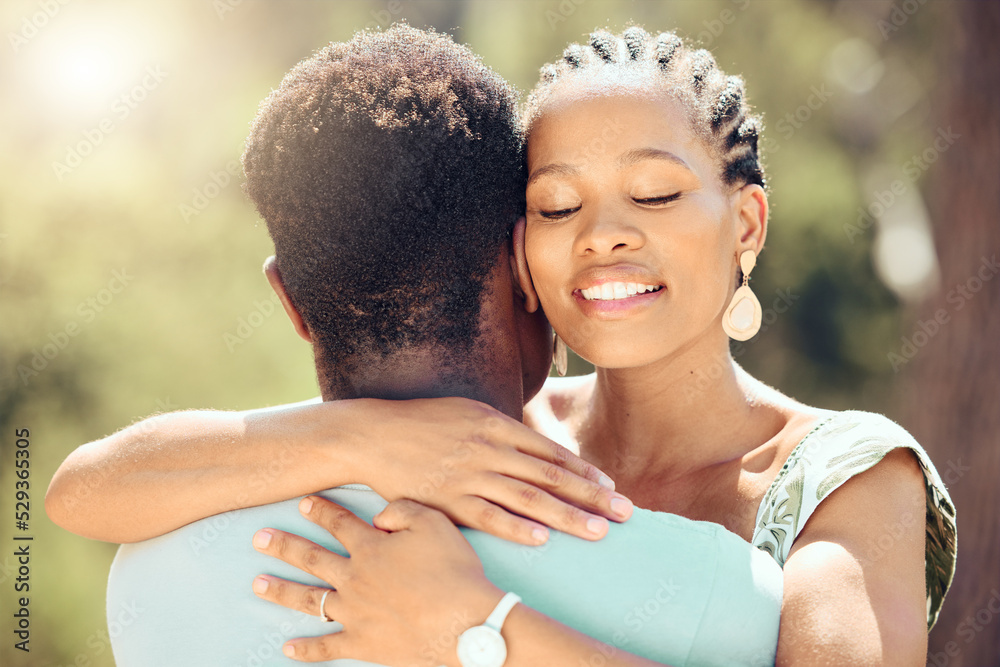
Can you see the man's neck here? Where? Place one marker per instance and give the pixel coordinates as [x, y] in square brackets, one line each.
[427, 374]
[490, 371]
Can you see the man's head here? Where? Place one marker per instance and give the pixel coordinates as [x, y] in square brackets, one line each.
[389, 172]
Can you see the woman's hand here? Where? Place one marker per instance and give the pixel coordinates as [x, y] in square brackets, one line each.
[482, 469]
[412, 584]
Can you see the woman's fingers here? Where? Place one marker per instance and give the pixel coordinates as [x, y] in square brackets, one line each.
[548, 465]
[299, 597]
[489, 517]
[527, 499]
[523, 439]
[319, 649]
[338, 521]
[470, 511]
[301, 553]
[498, 514]
[404, 513]
[570, 488]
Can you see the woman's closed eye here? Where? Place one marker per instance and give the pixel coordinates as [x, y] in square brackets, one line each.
[656, 201]
[557, 214]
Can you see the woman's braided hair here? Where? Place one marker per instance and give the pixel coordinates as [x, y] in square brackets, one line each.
[717, 103]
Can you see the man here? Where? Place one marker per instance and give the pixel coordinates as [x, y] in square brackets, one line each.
[388, 170]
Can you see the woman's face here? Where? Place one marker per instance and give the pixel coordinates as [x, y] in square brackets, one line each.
[631, 237]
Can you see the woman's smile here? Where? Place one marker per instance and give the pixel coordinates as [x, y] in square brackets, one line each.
[616, 292]
[613, 291]
[621, 303]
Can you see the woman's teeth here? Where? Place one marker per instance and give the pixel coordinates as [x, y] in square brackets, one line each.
[611, 291]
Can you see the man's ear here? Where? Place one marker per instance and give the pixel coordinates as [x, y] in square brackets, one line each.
[751, 204]
[274, 277]
[519, 267]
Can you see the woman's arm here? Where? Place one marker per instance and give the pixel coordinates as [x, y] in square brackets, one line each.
[458, 455]
[536, 639]
[413, 544]
[171, 469]
[854, 580]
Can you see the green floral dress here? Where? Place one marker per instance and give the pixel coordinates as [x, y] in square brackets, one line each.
[838, 448]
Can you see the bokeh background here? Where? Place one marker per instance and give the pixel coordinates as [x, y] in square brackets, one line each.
[130, 264]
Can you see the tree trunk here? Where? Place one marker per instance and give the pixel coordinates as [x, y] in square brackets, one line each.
[954, 404]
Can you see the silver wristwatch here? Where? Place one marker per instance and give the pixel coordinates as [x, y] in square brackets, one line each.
[483, 645]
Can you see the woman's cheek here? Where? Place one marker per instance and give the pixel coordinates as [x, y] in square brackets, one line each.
[546, 265]
[537, 252]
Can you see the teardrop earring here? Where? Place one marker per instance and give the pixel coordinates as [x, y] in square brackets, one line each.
[559, 354]
[741, 320]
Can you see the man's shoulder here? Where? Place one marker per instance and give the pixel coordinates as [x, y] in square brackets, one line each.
[696, 578]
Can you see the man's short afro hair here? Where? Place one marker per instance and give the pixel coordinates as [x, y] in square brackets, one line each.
[389, 171]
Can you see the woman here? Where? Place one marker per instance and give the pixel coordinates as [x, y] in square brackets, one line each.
[634, 247]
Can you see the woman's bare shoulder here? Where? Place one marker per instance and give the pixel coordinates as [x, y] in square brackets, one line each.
[799, 418]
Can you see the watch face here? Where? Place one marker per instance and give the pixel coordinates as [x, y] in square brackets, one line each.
[481, 647]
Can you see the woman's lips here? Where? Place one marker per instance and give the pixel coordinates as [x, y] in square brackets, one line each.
[617, 290]
[619, 306]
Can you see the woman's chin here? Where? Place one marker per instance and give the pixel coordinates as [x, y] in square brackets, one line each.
[614, 356]
[645, 349]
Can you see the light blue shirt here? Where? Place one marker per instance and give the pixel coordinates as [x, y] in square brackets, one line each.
[673, 590]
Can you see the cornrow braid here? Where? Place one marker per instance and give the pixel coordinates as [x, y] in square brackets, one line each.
[635, 39]
[575, 56]
[729, 103]
[667, 44]
[716, 102]
[605, 45]
[548, 73]
[702, 67]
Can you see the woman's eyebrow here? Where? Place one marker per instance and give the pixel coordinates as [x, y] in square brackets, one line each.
[626, 159]
[556, 168]
[639, 154]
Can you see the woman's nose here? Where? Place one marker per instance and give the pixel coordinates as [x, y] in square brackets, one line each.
[605, 231]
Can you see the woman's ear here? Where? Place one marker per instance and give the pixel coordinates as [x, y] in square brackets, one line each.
[751, 202]
[274, 277]
[519, 267]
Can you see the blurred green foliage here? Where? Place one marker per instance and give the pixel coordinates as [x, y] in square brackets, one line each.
[153, 201]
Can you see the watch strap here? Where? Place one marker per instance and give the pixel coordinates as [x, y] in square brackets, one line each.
[499, 615]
